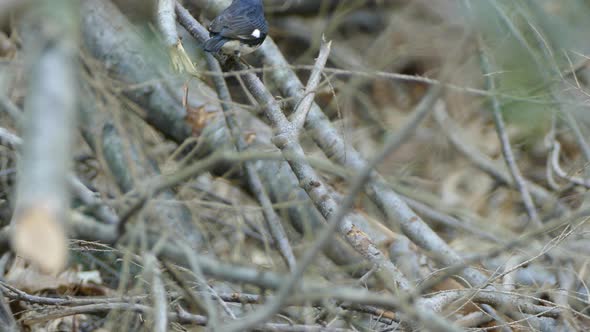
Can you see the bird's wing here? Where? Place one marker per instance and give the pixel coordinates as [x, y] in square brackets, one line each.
[239, 24]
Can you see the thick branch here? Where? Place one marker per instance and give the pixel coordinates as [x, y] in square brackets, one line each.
[49, 120]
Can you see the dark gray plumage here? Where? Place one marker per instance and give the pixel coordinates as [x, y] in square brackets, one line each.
[239, 29]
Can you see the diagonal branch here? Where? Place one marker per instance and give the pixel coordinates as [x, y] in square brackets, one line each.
[309, 180]
[272, 219]
[300, 114]
[506, 149]
[334, 147]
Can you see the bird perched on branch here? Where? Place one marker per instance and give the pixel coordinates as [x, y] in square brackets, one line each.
[240, 29]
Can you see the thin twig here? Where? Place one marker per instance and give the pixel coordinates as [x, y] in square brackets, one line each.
[300, 113]
[239, 298]
[483, 162]
[160, 305]
[554, 160]
[193, 262]
[506, 148]
[272, 219]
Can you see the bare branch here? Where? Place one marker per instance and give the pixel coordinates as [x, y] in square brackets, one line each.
[506, 149]
[50, 113]
[453, 133]
[166, 22]
[272, 219]
[334, 146]
[154, 276]
[300, 112]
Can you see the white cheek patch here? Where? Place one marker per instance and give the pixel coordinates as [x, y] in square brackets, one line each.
[256, 33]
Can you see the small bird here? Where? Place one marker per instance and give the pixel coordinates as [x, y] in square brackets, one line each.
[240, 29]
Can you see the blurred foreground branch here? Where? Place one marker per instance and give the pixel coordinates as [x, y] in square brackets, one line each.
[39, 232]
